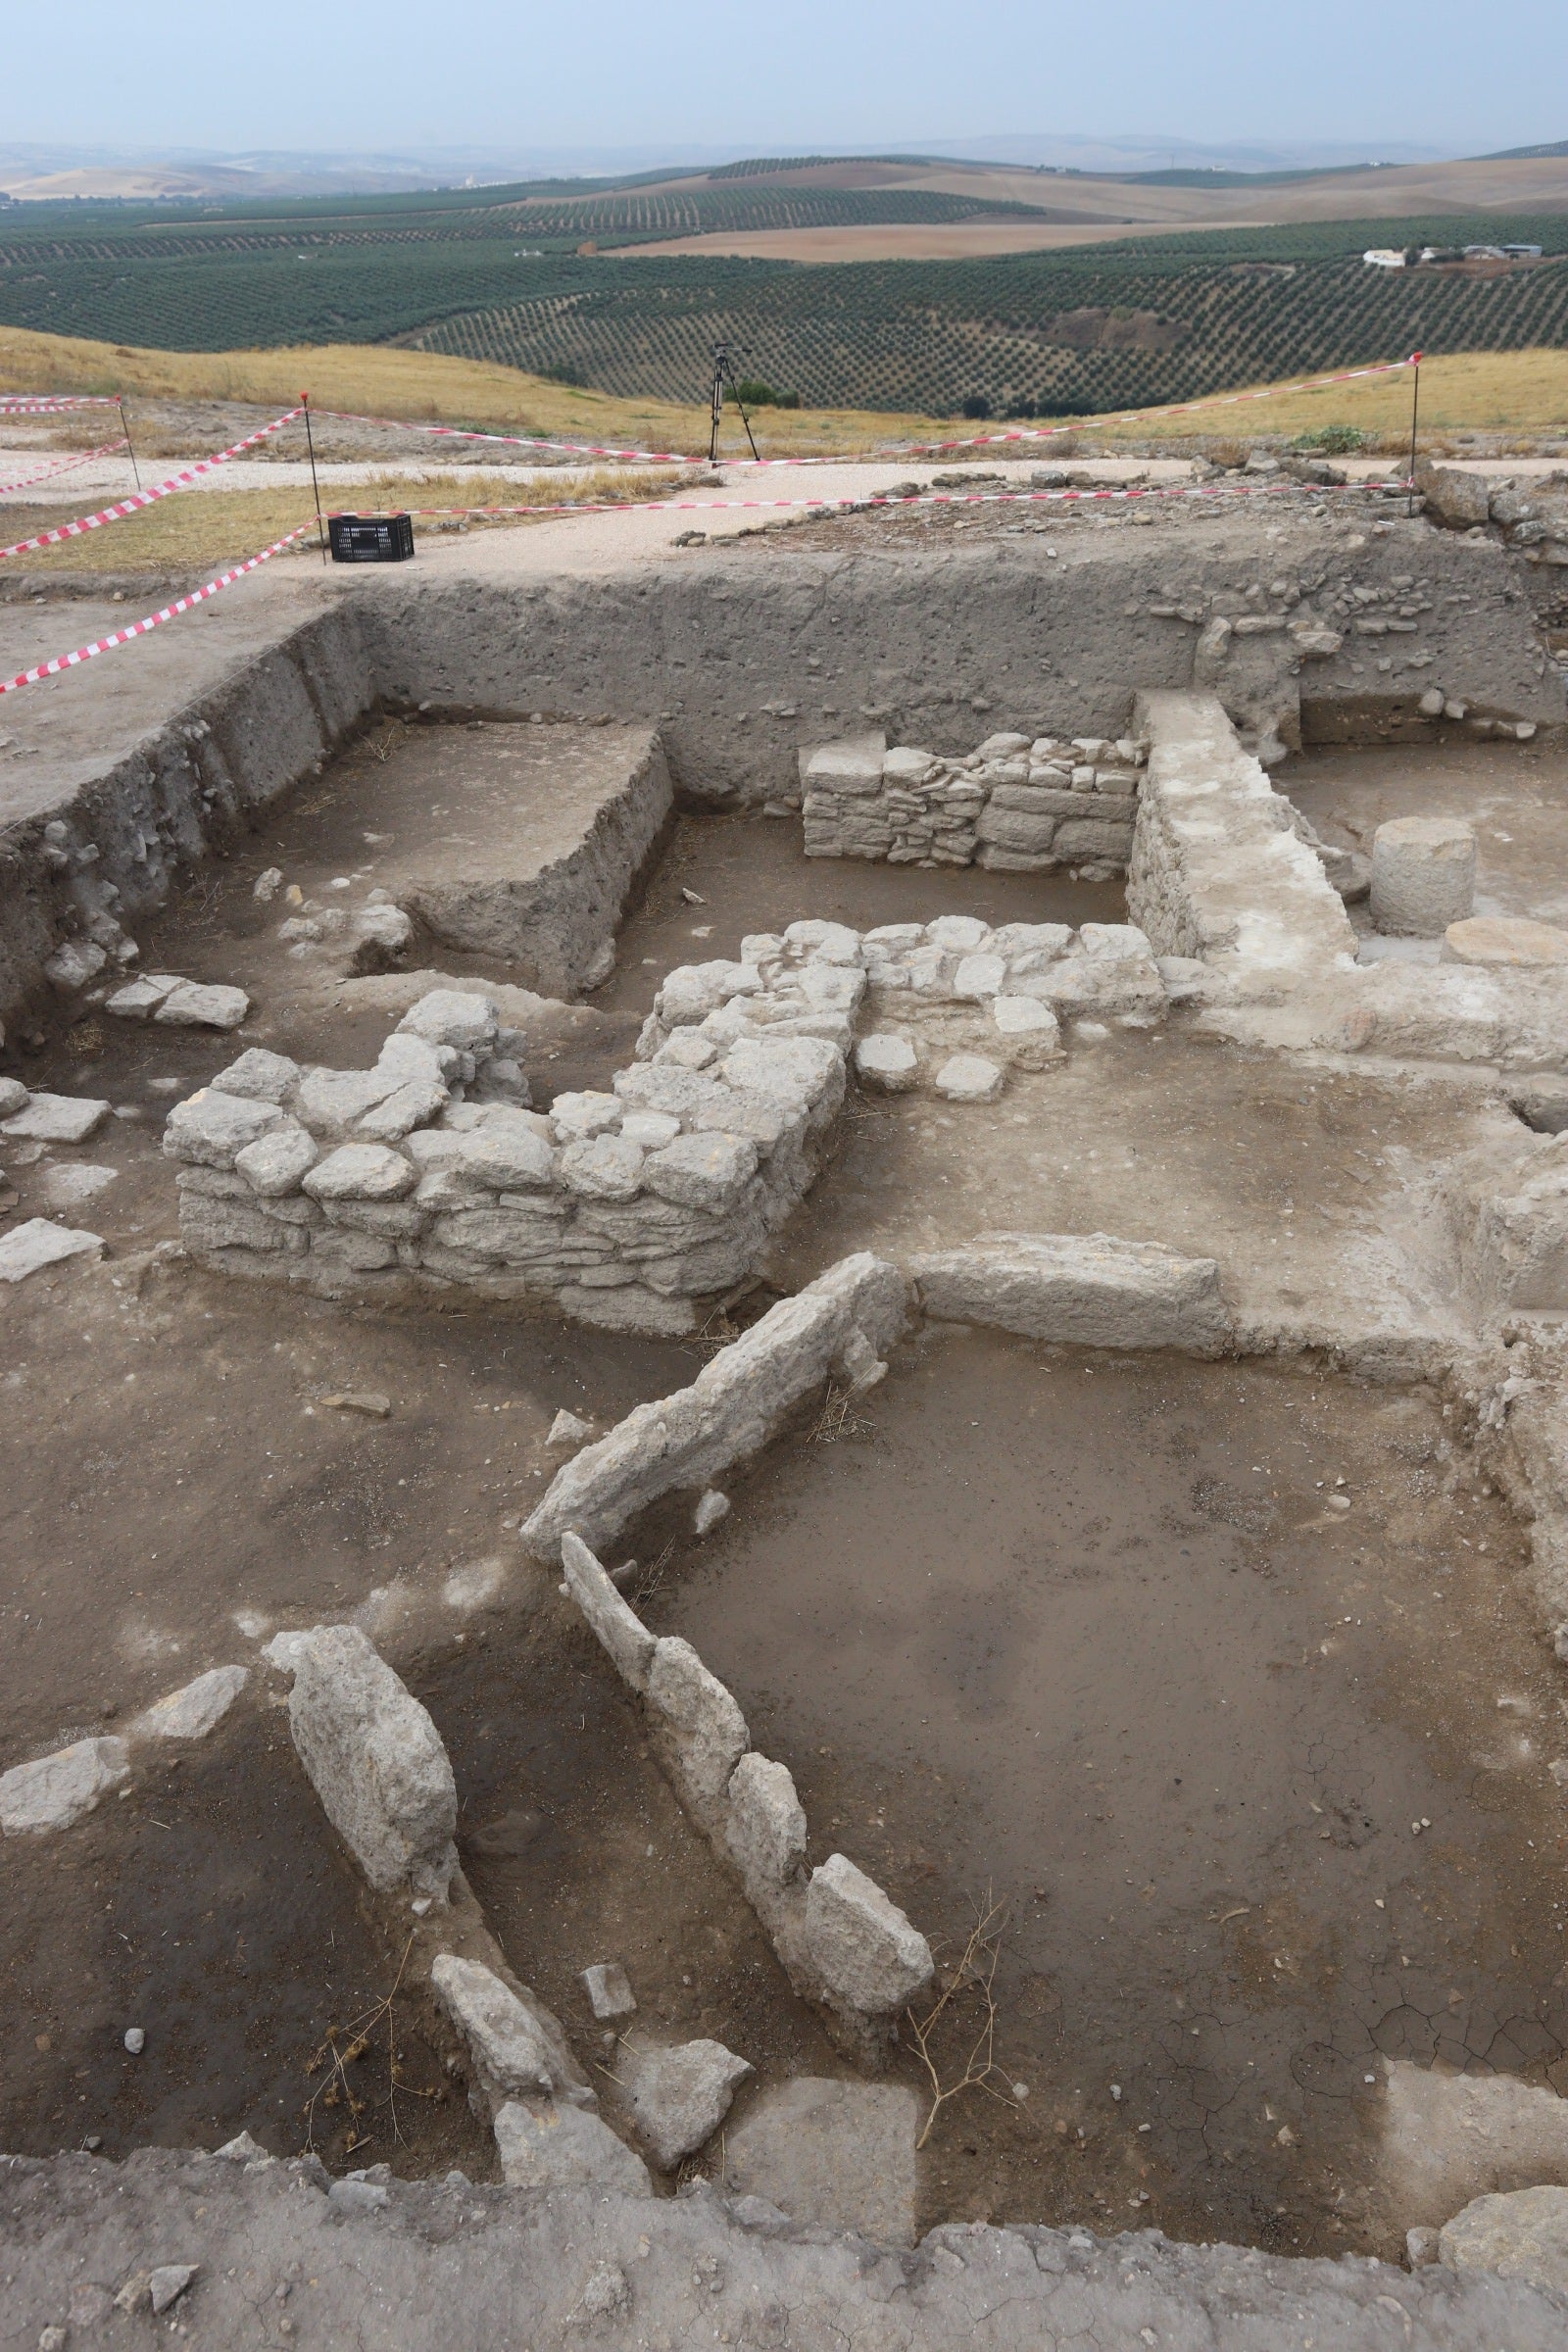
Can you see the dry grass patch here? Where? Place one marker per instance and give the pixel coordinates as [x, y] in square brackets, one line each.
[204, 530]
[376, 379]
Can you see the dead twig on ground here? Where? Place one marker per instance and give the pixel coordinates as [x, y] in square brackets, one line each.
[839, 1418]
[651, 1577]
[342, 2049]
[971, 1982]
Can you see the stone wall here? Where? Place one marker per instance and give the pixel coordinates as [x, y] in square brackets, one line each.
[1018, 805]
[623, 1208]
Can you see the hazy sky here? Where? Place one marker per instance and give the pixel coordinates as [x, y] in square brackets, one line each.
[385, 73]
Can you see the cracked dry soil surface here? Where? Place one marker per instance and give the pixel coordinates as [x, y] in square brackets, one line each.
[1087, 1638]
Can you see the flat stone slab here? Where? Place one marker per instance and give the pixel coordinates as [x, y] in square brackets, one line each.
[28, 1248]
[56, 1119]
[1520, 2236]
[680, 2096]
[556, 2147]
[970, 1078]
[1449, 2138]
[60, 1789]
[196, 1004]
[1087, 1290]
[197, 1709]
[1504, 941]
[834, 2155]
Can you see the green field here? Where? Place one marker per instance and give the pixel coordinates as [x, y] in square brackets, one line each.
[494, 277]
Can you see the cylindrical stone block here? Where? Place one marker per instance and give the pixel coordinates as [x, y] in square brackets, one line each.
[1423, 875]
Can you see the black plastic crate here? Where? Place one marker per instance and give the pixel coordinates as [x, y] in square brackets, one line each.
[370, 538]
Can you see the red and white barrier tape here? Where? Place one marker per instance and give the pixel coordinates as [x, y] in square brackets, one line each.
[683, 505]
[457, 432]
[153, 620]
[146, 498]
[27, 481]
[50, 404]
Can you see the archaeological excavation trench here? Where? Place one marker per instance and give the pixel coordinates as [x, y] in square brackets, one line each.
[785, 1381]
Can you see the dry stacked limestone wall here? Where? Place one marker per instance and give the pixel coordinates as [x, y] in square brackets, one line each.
[621, 1206]
[1017, 806]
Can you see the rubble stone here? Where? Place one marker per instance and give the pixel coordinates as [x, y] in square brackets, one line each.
[1423, 875]
[197, 1709]
[550, 2145]
[57, 1791]
[680, 2096]
[867, 1956]
[375, 1761]
[38, 1243]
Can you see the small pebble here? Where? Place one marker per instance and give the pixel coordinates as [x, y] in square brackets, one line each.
[136, 2040]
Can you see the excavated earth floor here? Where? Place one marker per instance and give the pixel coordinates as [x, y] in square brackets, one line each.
[1019, 1605]
[1257, 1781]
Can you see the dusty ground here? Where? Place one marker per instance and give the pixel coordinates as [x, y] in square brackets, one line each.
[1085, 1640]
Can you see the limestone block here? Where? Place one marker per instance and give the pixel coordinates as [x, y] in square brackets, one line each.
[511, 2051]
[361, 1173]
[333, 1101]
[197, 1709]
[852, 766]
[1459, 500]
[55, 1119]
[1504, 941]
[456, 1018]
[208, 1129]
[621, 1631]
[60, 1789]
[38, 1243]
[737, 1400]
[861, 1947]
[1027, 832]
[887, 1062]
[1522, 2234]
[603, 1167]
[550, 2145]
[1091, 837]
[506, 1156]
[970, 1078]
[832, 2155]
[1423, 875]
[958, 934]
[576, 1117]
[375, 1761]
[609, 1991]
[979, 977]
[766, 1827]
[262, 1076]
[141, 997]
[693, 990]
[194, 1006]
[410, 1106]
[1085, 1290]
[706, 1729]
[1028, 1029]
[680, 2096]
[277, 1162]
[709, 1171]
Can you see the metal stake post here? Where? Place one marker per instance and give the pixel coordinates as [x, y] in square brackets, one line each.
[309, 443]
[129, 450]
[1415, 410]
